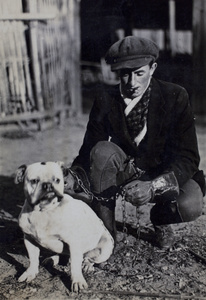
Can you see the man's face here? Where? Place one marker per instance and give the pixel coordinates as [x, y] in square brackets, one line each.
[134, 81]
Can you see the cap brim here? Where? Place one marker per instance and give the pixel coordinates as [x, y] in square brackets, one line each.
[131, 64]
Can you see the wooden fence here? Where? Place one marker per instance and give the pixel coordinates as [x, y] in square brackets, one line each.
[39, 59]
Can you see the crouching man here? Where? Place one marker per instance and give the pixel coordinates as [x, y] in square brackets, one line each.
[141, 135]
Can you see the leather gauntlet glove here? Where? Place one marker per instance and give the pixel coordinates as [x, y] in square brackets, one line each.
[141, 192]
[166, 185]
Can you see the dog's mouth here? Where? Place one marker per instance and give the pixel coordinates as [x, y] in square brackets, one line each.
[47, 197]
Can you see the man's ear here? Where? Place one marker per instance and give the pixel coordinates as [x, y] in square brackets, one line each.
[20, 174]
[153, 68]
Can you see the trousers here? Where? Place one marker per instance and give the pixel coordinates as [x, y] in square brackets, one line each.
[110, 169]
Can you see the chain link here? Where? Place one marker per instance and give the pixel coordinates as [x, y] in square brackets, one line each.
[124, 216]
[138, 172]
[87, 192]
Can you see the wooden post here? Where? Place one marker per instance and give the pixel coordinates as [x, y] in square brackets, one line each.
[78, 57]
[75, 72]
[199, 57]
[172, 27]
[31, 6]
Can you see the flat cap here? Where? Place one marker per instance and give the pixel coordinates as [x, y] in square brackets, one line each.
[131, 52]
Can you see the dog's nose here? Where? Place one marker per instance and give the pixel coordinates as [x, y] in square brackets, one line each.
[47, 186]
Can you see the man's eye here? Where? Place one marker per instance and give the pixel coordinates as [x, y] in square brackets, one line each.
[140, 74]
[34, 181]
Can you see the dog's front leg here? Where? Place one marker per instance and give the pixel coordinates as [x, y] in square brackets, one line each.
[33, 269]
[76, 258]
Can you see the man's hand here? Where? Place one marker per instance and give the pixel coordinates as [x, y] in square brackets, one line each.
[139, 192]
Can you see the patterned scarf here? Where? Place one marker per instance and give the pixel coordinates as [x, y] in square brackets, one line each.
[136, 118]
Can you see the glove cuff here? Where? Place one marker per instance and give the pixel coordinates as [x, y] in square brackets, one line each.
[166, 185]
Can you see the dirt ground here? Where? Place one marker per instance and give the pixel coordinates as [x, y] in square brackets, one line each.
[136, 270]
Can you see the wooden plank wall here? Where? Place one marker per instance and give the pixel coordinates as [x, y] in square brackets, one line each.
[40, 57]
[15, 84]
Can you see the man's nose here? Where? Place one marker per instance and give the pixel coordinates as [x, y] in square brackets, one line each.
[132, 79]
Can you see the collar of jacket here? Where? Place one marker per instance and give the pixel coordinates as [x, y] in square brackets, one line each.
[155, 119]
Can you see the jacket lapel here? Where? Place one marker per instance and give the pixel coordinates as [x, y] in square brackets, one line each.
[156, 112]
[117, 118]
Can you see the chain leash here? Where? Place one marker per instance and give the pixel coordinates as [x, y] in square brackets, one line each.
[86, 191]
[124, 216]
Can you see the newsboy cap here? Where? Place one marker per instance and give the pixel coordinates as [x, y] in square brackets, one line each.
[131, 52]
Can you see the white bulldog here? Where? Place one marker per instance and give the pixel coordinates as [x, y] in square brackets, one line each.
[57, 222]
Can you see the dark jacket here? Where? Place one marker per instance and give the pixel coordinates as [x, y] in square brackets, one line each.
[170, 143]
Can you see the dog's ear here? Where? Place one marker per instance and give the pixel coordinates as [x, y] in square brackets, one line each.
[60, 163]
[20, 174]
[63, 167]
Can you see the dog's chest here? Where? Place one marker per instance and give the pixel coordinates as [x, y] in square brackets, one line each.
[36, 224]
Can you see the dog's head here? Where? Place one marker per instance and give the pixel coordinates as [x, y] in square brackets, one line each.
[43, 182]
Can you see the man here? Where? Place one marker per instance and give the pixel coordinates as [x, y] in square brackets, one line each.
[142, 135]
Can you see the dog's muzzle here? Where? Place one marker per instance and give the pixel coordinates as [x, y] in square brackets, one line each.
[47, 186]
[47, 193]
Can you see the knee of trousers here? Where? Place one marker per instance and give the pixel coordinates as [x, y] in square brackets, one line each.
[187, 207]
[105, 150]
[106, 160]
[190, 201]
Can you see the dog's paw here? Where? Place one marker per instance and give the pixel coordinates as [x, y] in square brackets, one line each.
[27, 276]
[52, 260]
[78, 284]
[87, 266]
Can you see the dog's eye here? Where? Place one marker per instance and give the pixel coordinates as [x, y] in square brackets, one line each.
[57, 180]
[34, 181]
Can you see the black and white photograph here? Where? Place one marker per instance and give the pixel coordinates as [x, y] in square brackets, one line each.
[102, 149]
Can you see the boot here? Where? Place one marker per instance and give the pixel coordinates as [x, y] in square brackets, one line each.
[106, 212]
[164, 236]
[165, 213]
[161, 216]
